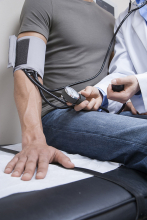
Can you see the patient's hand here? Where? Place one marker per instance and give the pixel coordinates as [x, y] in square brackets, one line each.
[93, 99]
[37, 154]
[131, 87]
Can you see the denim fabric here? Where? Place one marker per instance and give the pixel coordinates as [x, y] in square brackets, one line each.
[98, 135]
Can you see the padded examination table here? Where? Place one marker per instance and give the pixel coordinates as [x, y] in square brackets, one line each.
[111, 193]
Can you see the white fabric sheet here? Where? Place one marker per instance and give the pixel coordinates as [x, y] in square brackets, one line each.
[56, 175]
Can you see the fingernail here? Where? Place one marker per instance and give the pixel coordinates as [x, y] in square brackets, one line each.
[39, 174]
[15, 173]
[26, 175]
[114, 81]
[72, 165]
[86, 102]
[7, 169]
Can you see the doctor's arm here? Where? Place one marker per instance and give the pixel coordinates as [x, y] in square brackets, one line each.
[35, 151]
[133, 86]
[120, 67]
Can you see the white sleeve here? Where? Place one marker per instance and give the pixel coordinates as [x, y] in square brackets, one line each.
[142, 79]
[120, 66]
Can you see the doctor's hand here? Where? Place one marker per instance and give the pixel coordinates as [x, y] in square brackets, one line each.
[131, 87]
[93, 99]
[130, 107]
[37, 154]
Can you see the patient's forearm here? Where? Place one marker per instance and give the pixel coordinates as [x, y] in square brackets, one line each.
[29, 104]
[35, 152]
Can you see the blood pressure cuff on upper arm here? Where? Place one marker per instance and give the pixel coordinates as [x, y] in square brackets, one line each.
[27, 53]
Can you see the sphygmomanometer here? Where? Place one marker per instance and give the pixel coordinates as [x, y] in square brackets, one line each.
[28, 54]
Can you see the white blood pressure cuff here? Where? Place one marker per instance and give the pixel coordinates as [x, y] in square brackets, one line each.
[27, 53]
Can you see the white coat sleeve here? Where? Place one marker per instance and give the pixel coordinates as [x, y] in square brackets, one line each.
[142, 79]
[120, 66]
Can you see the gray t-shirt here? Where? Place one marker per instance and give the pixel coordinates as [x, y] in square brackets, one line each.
[78, 34]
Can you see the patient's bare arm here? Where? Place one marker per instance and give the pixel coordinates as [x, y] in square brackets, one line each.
[35, 151]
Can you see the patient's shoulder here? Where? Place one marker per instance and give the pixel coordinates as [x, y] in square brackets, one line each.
[37, 5]
[36, 16]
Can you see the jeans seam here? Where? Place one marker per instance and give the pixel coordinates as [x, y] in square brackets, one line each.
[101, 135]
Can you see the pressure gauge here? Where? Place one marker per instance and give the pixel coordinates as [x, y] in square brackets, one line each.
[72, 96]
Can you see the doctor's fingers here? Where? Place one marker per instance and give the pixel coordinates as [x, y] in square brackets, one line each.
[91, 105]
[143, 113]
[130, 82]
[97, 104]
[87, 91]
[81, 106]
[86, 105]
[123, 81]
[122, 97]
[90, 91]
[131, 108]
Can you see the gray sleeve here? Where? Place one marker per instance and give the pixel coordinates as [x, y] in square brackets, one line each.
[36, 16]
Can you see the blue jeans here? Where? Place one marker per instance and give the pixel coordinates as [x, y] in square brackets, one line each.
[98, 135]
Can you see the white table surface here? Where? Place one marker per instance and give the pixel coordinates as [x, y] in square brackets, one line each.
[56, 175]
